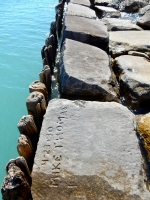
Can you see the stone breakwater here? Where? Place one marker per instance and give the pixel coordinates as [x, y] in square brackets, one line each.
[87, 145]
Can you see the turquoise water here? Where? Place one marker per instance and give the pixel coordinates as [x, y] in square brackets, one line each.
[24, 26]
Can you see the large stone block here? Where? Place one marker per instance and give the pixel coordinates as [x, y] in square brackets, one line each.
[84, 72]
[123, 41]
[80, 10]
[134, 76]
[108, 11]
[144, 21]
[85, 30]
[114, 24]
[89, 151]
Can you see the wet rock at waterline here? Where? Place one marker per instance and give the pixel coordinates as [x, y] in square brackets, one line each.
[120, 42]
[114, 24]
[81, 11]
[84, 71]
[88, 150]
[107, 12]
[85, 30]
[17, 182]
[81, 2]
[144, 21]
[134, 76]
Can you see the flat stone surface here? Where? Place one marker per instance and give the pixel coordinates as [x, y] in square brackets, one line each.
[123, 41]
[108, 11]
[89, 151]
[84, 71]
[80, 10]
[135, 79]
[85, 30]
[114, 24]
[81, 2]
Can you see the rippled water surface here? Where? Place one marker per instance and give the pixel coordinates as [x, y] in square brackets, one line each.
[24, 26]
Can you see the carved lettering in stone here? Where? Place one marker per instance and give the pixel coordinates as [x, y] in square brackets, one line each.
[55, 167]
[57, 158]
[55, 137]
[53, 182]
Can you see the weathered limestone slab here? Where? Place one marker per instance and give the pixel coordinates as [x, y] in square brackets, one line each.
[85, 30]
[144, 21]
[81, 11]
[108, 11]
[134, 75]
[81, 2]
[114, 24]
[88, 150]
[123, 41]
[143, 10]
[84, 71]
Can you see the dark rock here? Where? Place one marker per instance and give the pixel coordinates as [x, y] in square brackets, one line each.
[51, 41]
[42, 52]
[85, 30]
[53, 31]
[85, 72]
[92, 3]
[88, 150]
[16, 184]
[132, 5]
[102, 2]
[59, 15]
